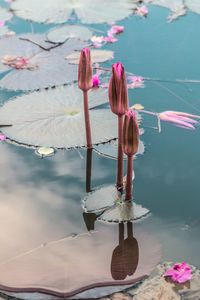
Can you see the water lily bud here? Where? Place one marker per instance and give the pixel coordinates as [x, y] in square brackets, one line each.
[118, 93]
[85, 81]
[130, 133]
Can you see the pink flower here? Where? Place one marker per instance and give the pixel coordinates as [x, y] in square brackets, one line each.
[135, 82]
[110, 38]
[179, 272]
[181, 119]
[116, 29]
[96, 80]
[2, 137]
[2, 23]
[142, 11]
[97, 41]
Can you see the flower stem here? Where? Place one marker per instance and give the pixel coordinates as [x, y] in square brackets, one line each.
[87, 120]
[88, 170]
[129, 178]
[120, 155]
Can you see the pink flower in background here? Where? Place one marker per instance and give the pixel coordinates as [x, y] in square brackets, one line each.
[110, 39]
[135, 82]
[181, 119]
[96, 81]
[97, 41]
[2, 137]
[116, 29]
[142, 11]
[2, 23]
[179, 272]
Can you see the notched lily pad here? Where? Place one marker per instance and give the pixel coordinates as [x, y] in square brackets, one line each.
[97, 56]
[87, 11]
[55, 118]
[115, 209]
[65, 32]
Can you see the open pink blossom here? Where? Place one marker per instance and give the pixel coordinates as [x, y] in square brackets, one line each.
[142, 11]
[179, 272]
[2, 137]
[135, 82]
[115, 29]
[110, 38]
[181, 119]
[96, 81]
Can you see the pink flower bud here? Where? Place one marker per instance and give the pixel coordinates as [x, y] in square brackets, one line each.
[85, 70]
[130, 133]
[118, 94]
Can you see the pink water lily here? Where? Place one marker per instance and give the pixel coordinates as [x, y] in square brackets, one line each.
[96, 80]
[180, 272]
[181, 119]
[135, 81]
[110, 38]
[115, 29]
[142, 11]
[97, 41]
[2, 137]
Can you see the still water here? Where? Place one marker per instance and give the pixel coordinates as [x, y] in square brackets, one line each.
[41, 198]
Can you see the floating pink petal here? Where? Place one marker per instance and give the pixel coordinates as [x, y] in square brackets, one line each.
[178, 118]
[97, 41]
[179, 272]
[135, 82]
[2, 137]
[142, 11]
[115, 29]
[110, 39]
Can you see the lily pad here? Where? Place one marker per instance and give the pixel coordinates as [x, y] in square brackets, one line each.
[45, 151]
[65, 32]
[110, 150]
[115, 209]
[193, 5]
[87, 11]
[97, 56]
[55, 118]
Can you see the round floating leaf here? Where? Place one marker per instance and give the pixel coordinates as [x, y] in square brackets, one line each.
[193, 5]
[55, 118]
[48, 67]
[63, 33]
[84, 266]
[97, 56]
[45, 151]
[87, 11]
[110, 150]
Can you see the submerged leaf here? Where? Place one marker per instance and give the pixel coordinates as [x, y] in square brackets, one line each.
[65, 32]
[87, 11]
[110, 150]
[55, 118]
[97, 56]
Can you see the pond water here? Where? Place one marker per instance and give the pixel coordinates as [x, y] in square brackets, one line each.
[41, 198]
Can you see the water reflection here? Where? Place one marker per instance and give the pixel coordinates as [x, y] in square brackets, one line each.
[125, 256]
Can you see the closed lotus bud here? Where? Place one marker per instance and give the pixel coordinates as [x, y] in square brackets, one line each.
[130, 133]
[85, 81]
[118, 93]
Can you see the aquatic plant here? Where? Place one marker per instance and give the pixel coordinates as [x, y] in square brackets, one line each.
[130, 147]
[85, 83]
[118, 98]
[179, 272]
